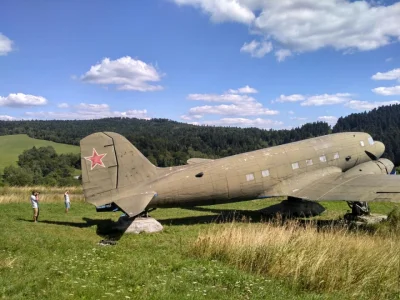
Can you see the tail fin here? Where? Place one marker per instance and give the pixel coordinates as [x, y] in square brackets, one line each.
[112, 169]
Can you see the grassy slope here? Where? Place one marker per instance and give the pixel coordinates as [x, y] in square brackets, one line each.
[59, 257]
[13, 145]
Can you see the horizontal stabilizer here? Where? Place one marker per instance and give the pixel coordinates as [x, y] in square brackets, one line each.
[135, 204]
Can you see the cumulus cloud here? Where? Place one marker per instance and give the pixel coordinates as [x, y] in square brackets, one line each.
[327, 99]
[244, 90]
[257, 49]
[331, 120]
[390, 75]
[387, 91]
[7, 118]
[290, 98]
[22, 100]
[63, 105]
[222, 10]
[220, 98]
[239, 105]
[298, 118]
[365, 105]
[126, 73]
[88, 111]
[309, 25]
[243, 105]
[242, 109]
[243, 122]
[6, 45]
[282, 54]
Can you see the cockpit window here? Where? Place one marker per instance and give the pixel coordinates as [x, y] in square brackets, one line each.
[370, 140]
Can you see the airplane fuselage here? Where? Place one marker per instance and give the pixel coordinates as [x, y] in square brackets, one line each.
[261, 173]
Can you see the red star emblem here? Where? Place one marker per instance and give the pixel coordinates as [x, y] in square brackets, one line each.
[96, 159]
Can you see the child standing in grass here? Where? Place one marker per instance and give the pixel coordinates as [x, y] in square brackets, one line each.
[67, 201]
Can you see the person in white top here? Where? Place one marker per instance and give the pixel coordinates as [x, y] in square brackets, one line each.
[35, 206]
[67, 201]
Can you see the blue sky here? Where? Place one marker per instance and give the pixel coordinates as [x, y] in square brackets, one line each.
[262, 63]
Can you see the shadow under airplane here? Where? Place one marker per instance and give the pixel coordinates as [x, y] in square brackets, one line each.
[105, 228]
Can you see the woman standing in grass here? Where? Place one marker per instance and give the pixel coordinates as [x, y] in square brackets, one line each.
[35, 205]
[67, 201]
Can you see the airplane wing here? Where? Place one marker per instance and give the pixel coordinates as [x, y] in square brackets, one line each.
[196, 160]
[368, 187]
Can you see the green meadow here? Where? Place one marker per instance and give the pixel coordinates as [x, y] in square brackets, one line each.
[60, 258]
[11, 146]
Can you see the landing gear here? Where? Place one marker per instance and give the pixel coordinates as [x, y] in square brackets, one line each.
[145, 214]
[358, 208]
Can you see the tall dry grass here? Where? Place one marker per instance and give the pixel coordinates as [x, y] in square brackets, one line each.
[357, 264]
[47, 194]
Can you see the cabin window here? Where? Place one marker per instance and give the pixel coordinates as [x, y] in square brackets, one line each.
[370, 140]
[362, 143]
[250, 177]
[322, 158]
[295, 165]
[309, 162]
[336, 155]
[265, 173]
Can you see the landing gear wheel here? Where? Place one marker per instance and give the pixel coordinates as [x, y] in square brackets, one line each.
[358, 208]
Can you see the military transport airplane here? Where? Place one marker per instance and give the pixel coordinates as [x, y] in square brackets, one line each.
[341, 166]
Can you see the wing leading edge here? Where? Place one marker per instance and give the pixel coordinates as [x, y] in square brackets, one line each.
[368, 187]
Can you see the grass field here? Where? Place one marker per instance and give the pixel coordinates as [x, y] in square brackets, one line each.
[11, 146]
[59, 257]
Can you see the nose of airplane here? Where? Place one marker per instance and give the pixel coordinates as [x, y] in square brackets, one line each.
[379, 149]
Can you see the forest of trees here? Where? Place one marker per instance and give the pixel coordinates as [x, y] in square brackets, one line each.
[167, 143]
[43, 166]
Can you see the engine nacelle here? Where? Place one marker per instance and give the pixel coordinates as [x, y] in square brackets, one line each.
[380, 166]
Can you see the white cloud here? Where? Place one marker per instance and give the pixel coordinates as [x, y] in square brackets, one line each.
[387, 91]
[190, 118]
[257, 49]
[327, 99]
[239, 105]
[223, 10]
[63, 105]
[331, 120]
[291, 112]
[290, 98]
[6, 45]
[220, 98]
[282, 54]
[93, 107]
[22, 100]
[86, 111]
[390, 75]
[309, 25]
[244, 90]
[365, 105]
[243, 122]
[242, 109]
[7, 118]
[126, 73]
[389, 59]
[298, 118]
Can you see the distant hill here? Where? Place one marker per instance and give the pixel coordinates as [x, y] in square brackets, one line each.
[11, 146]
